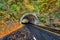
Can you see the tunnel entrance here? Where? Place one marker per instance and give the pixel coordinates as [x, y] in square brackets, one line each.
[32, 18]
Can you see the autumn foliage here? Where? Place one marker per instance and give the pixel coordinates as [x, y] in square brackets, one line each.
[7, 29]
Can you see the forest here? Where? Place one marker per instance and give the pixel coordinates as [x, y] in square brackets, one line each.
[48, 11]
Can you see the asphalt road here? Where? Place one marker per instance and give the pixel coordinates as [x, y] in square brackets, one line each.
[41, 34]
[38, 33]
[49, 29]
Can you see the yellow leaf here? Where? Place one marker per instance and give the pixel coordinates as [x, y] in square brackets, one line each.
[30, 7]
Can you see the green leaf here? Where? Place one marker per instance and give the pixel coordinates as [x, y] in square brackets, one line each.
[1, 5]
[42, 18]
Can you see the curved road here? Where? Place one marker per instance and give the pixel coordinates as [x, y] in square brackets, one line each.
[39, 34]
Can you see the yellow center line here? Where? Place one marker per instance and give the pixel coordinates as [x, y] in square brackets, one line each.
[50, 31]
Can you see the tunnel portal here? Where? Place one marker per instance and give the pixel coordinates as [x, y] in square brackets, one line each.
[31, 17]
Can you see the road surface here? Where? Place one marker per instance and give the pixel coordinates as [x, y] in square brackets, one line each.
[41, 34]
[38, 33]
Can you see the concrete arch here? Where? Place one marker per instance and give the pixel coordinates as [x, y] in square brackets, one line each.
[35, 21]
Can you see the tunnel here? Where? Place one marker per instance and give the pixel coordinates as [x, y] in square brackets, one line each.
[32, 18]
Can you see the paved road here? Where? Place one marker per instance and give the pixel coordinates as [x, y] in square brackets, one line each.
[49, 29]
[39, 34]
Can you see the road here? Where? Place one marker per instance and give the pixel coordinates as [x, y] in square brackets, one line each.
[38, 33]
[41, 34]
